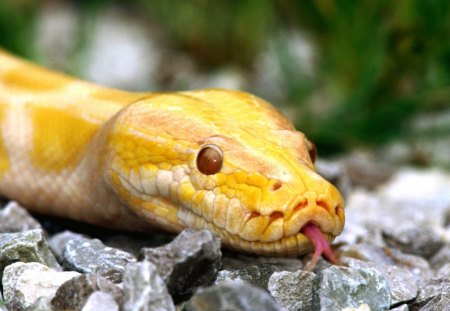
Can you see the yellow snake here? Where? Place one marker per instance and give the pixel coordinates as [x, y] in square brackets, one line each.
[217, 159]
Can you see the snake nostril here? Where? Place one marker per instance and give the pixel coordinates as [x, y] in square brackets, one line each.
[276, 185]
[300, 206]
[322, 204]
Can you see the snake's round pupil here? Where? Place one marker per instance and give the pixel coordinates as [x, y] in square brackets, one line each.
[210, 160]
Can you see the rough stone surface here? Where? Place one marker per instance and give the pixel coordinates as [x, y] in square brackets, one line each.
[100, 301]
[440, 302]
[434, 290]
[189, 261]
[441, 258]
[26, 246]
[15, 218]
[73, 294]
[144, 289]
[231, 295]
[386, 256]
[134, 243]
[292, 290]
[402, 284]
[92, 256]
[24, 283]
[420, 241]
[257, 275]
[340, 287]
[59, 241]
[390, 206]
[444, 271]
[236, 260]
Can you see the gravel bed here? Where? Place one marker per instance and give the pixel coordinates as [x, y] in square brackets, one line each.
[395, 252]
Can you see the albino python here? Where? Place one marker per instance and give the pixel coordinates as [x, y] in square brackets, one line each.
[217, 159]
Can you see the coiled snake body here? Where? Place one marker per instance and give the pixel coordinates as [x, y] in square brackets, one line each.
[217, 159]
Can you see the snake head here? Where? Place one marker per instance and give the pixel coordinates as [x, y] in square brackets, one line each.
[223, 160]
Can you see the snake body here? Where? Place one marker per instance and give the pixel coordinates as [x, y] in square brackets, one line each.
[132, 161]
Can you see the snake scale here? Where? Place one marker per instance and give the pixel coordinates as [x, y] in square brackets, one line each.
[217, 159]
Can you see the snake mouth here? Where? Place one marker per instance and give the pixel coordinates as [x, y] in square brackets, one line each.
[310, 237]
[305, 227]
[310, 234]
[321, 246]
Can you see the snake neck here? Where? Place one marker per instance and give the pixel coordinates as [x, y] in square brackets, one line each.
[52, 131]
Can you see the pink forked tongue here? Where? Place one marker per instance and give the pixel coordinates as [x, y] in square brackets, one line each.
[321, 246]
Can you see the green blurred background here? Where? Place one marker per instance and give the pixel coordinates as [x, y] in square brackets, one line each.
[351, 74]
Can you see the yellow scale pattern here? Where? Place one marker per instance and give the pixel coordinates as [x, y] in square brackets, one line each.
[128, 160]
[67, 134]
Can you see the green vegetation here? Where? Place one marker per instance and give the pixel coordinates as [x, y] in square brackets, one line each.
[377, 64]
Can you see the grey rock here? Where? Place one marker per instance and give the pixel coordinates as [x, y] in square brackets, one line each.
[235, 260]
[257, 275]
[26, 246]
[340, 287]
[440, 302]
[364, 169]
[133, 244]
[444, 271]
[191, 260]
[15, 218]
[387, 208]
[73, 294]
[100, 301]
[389, 257]
[402, 282]
[25, 283]
[292, 290]
[92, 256]
[420, 241]
[144, 289]
[441, 258]
[59, 241]
[433, 290]
[231, 295]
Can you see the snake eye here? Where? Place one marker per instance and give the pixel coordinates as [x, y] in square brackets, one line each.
[312, 150]
[210, 160]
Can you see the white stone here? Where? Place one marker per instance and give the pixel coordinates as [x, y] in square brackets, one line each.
[25, 283]
[414, 184]
[100, 301]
